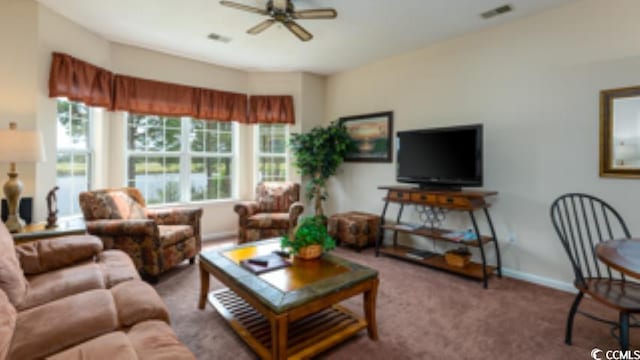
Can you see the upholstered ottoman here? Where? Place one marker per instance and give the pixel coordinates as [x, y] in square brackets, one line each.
[355, 228]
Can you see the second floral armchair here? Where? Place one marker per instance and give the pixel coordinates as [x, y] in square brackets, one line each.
[274, 212]
[155, 239]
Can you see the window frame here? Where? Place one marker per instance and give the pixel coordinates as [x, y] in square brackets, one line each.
[185, 155]
[258, 154]
[88, 152]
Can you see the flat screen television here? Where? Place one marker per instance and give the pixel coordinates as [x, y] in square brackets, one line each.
[448, 157]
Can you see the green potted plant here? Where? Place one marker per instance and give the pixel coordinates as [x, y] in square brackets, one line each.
[318, 154]
[309, 239]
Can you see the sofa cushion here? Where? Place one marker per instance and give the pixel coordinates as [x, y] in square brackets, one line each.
[155, 340]
[115, 345]
[137, 301]
[110, 204]
[117, 267]
[50, 254]
[268, 221]
[276, 196]
[47, 329]
[173, 234]
[60, 283]
[12, 280]
[8, 317]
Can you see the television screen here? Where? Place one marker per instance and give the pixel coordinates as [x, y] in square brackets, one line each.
[440, 157]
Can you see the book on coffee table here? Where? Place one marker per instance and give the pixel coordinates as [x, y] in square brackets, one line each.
[264, 263]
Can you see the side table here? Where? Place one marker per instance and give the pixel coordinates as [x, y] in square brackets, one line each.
[38, 231]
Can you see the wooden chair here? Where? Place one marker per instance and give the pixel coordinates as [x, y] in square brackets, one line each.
[582, 221]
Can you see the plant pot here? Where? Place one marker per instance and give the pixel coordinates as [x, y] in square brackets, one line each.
[457, 260]
[310, 252]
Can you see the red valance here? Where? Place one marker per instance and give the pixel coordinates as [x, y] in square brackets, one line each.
[271, 110]
[222, 106]
[142, 96]
[80, 81]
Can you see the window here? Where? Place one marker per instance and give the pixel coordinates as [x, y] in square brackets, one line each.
[73, 157]
[272, 152]
[173, 159]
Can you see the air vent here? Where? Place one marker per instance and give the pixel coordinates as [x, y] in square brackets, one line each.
[218, 37]
[497, 11]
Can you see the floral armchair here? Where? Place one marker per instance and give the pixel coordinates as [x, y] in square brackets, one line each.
[155, 239]
[275, 211]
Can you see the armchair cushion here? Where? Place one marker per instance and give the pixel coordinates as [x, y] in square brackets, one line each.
[175, 216]
[50, 254]
[268, 221]
[277, 196]
[125, 203]
[173, 234]
[12, 280]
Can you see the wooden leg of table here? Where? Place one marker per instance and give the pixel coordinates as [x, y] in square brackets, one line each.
[370, 309]
[279, 334]
[204, 287]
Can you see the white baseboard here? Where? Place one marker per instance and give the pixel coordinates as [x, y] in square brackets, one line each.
[540, 280]
[219, 235]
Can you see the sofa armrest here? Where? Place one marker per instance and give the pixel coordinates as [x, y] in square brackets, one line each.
[50, 254]
[175, 216]
[135, 227]
[294, 212]
[246, 209]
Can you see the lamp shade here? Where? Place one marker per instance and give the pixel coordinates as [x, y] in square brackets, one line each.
[21, 146]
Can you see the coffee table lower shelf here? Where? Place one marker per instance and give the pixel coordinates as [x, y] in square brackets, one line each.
[306, 337]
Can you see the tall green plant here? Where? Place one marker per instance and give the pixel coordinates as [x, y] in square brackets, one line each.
[318, 154]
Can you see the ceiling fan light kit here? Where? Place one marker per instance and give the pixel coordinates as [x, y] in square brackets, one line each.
[284, 12]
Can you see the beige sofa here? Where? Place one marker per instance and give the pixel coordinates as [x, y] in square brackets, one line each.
[65, 298]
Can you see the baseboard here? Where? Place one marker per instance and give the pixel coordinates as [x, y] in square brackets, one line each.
[219, 235]
[540, 280]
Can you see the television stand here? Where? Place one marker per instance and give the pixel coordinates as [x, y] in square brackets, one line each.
[440, 201]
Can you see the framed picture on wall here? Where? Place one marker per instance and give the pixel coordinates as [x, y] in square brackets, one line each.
[372, 134]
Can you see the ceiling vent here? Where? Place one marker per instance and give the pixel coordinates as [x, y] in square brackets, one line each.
[497, 11]
[218, 37]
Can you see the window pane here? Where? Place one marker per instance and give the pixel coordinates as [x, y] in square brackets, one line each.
[157, 177]
[210, 178]
[73, 158]
[272, 152]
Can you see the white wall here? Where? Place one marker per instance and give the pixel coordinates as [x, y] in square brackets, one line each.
[534, 84]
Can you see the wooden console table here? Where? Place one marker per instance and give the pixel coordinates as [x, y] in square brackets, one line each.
[440, 201]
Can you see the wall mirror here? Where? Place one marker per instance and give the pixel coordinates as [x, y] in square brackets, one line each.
[620, 132]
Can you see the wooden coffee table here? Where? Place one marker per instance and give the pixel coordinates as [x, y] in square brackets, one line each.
[289, 313]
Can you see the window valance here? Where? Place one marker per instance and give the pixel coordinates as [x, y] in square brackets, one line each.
[92, 85]
[271, 110]
[80, 81]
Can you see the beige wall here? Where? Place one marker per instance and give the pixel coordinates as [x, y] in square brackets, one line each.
[33, 32]
[534, 84]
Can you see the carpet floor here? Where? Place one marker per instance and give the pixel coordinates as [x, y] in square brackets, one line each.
[422, 314]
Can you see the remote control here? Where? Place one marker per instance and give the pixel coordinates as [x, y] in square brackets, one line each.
[260, 262]
[281, 253]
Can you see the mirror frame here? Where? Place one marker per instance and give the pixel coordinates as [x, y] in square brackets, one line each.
[606, 132]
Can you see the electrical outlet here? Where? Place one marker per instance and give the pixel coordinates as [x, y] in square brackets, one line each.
[511, 237]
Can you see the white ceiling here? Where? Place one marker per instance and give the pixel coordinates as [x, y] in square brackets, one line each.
[365, 30]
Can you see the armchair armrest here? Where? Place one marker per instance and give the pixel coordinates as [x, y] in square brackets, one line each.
[142, 227]
[246, 208]
[294, 212]
[175, 216]
[51, 254]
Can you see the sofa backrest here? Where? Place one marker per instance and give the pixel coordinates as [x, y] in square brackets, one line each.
[8, 317]
[124, 204]
[277, 196]
[12, 280]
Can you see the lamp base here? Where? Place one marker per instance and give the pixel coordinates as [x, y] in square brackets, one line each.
[12, 190]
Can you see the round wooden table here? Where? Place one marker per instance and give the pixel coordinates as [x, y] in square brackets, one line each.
[622, 255]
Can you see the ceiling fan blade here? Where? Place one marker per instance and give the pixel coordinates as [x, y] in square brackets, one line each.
[261, 27]
[315, 14]
[298, 30]
[243, 7]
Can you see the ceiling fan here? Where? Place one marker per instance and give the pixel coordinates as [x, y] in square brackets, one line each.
[284, 12]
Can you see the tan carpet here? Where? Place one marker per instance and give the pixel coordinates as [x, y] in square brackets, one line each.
[422, 314]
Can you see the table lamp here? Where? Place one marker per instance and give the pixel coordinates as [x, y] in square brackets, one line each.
[17, 146]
